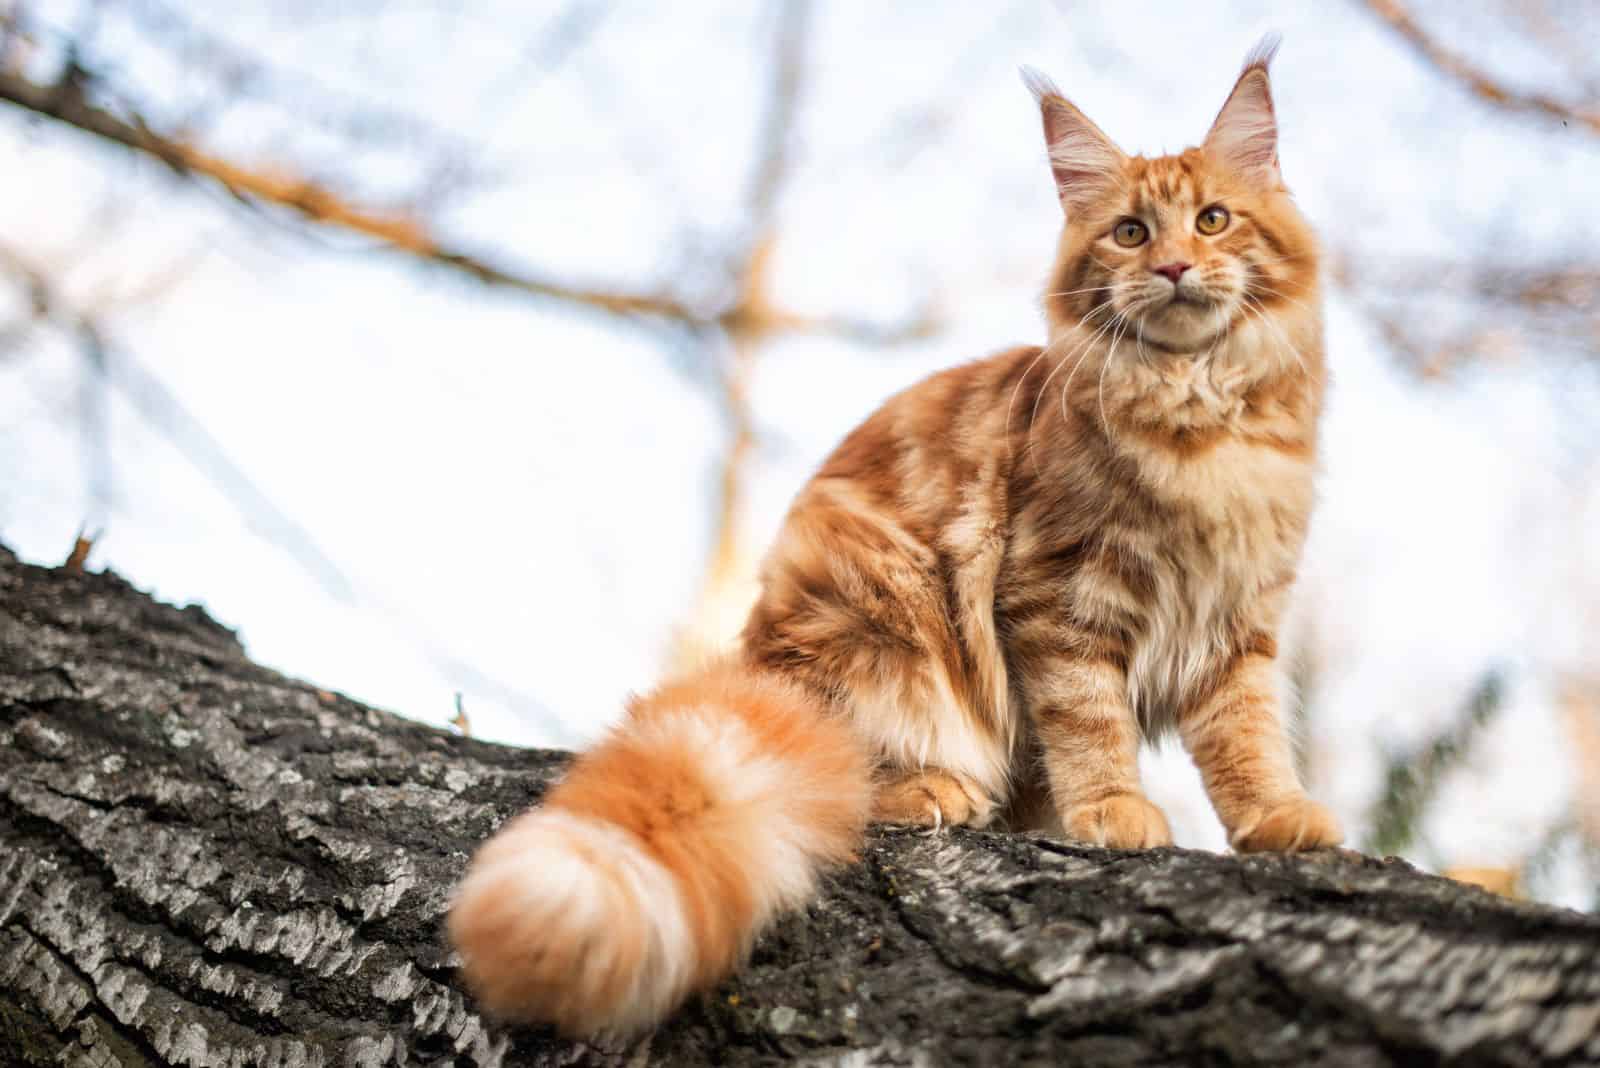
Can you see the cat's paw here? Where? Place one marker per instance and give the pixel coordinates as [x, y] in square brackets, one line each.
[932, 798]
[1287, 827]
[1121, 821]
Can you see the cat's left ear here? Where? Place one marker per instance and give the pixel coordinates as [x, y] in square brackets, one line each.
[1245, 133]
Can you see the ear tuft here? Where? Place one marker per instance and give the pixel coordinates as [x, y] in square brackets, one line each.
[1245, 133]
[1264, 52]
[1038, 83]
[1084, 160]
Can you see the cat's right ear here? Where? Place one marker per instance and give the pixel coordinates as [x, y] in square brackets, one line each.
[1086, 163]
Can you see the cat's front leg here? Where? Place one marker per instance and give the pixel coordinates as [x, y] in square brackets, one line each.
[1238, 740]
[1089, 744]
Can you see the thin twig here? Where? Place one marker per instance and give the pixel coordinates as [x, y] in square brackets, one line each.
[81, 547]
[243, 76]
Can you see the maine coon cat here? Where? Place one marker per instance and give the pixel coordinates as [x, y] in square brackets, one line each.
[994, 588]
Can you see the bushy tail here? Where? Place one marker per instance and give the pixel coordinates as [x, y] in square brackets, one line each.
[652, 866]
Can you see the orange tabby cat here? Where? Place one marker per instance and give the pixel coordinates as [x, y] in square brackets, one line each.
[990, 592]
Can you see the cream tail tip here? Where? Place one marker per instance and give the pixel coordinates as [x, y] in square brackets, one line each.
[566, 920]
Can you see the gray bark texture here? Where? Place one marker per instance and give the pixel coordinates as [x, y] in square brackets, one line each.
[203, 862]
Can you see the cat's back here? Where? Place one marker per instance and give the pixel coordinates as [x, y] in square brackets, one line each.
[940, 426]
[889, 553]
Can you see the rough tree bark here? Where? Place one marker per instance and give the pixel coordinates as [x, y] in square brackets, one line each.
[206, 863]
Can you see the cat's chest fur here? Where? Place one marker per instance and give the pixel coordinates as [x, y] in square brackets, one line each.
[1219, 570]
[1194, 578]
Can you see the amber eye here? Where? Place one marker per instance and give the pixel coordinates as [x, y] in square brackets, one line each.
[1130, 233]
[1212, 221]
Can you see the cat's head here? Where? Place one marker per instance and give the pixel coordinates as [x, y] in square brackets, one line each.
[1177, 250]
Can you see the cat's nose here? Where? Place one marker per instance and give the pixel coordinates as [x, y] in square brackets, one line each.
[1172, 271]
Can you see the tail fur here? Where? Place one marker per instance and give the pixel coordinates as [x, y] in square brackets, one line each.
[652, 866]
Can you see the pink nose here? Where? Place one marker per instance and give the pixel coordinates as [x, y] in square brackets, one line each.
[1171, 271]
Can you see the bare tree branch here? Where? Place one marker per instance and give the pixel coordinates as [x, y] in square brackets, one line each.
[1523, 305]
[205, 862]
[562, 37]
[747, 315]
[402, 232]
[241, 75]
[753, 319]
[1474, 78]
[772, 146]
[65, 102]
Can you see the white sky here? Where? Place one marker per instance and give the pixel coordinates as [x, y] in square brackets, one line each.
[521, 496]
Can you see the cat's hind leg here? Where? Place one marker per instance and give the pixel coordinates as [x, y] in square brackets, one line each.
[931, 797]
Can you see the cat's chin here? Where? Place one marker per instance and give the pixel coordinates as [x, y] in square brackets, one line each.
[1184, 325]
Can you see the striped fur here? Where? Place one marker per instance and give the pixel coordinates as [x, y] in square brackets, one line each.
[991, 593]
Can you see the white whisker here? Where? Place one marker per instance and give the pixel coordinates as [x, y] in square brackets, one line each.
[1017, 389]
[1253, 306]
[1110, 354]
[1279, 294]
[1033, 415]
[1082, 352]
[1075, 292]
[1138, 336]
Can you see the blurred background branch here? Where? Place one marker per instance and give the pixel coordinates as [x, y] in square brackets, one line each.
[1482, 85]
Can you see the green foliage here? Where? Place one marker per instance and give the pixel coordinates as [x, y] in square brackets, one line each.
[1413, 779]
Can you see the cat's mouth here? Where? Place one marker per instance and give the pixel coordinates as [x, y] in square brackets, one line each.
[1187, 319]
[1188, 298]
[1183, 316]
[1175, 309]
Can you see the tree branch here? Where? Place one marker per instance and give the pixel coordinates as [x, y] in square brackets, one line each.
[204, 862]
[1474, 78]
[66, 103]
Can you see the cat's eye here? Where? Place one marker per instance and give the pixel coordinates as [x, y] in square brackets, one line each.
[1212, 221]
[1130, 233]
